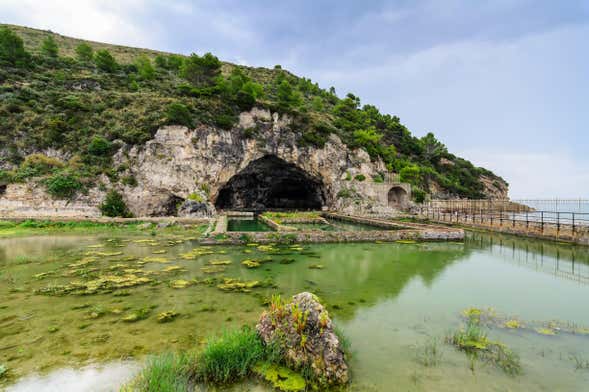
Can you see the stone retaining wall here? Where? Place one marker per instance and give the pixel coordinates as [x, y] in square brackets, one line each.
[434, 234]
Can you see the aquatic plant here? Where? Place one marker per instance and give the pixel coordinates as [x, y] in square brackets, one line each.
[137, 315]
[166, 317]
[580, 362]
[219, 262]
[229, 357]
[3, 371]
[475, 343]
[281, 378]
[249, 263]
[230, 284]
[546, 331]
[180, 284]
[430, 353]
[316, 266]
[169, 372]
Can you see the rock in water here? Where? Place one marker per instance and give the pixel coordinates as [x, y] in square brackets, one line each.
[304, 332]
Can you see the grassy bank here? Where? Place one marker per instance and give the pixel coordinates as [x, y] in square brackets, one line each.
[226, 359]
[46, 227]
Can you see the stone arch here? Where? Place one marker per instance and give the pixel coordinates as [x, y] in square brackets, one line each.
[272, 183]
[398, 197]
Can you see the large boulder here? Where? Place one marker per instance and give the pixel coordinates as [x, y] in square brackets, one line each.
[304, 332]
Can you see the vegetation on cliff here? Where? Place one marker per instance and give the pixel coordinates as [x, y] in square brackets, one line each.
[87, 99]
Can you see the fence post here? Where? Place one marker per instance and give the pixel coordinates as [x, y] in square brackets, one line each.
[557, 224]
[542, 221]
[574, 223]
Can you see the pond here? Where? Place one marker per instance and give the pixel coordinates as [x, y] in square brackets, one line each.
[77, 301]
[335, 225]
[247, 225]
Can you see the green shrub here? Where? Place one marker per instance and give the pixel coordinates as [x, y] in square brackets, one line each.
[287, 98]
[418, 195]
[359, 177]
[105, 61]
[63, 185]
[99, 146]
[84, 52]
[196, 197]
[49, 47]
[178, 114]
[12, 50]
[377, 178]
[37, 165]
[114, 205]
[144, 68]
[230, 357]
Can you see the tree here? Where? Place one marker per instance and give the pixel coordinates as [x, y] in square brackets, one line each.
[84, 52]
[49, 47]
[105, 61]
[287, 97]
[368, 139]
[175, 62]
[201, 71]
[144, 68]
[411, 174]
[114, 205]
[12, 50]
[432, 148]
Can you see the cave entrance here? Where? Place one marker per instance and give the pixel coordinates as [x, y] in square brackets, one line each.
[272, 183]
[398, 197]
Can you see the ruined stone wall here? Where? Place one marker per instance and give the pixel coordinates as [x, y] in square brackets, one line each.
[31, 200]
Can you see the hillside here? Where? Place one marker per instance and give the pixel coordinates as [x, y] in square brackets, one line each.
[68, 105]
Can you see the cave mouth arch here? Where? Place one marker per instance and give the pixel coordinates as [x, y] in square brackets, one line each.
[272, 183]
[397, 197]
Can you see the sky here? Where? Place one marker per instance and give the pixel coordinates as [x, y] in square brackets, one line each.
[503, 83]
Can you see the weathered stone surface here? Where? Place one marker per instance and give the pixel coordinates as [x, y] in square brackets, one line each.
[196, 209]
[304, 331]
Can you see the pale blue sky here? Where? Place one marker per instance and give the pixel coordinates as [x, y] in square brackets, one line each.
[504, 83]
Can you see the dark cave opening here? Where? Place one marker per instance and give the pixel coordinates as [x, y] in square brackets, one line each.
[272, 183]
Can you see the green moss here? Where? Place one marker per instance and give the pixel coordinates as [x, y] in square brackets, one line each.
[281, 378]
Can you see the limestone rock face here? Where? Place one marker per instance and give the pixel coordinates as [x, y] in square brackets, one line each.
[304, 332]
[178, 161]
[196, 209]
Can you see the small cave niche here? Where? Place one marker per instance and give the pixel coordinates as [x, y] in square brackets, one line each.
[272, 183]
[3, 189]
[171, 206]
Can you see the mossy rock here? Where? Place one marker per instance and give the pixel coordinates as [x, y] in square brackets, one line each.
[281, 378]
[250, 263]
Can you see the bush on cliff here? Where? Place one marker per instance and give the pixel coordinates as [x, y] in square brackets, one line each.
[63, 185]
[114, 206]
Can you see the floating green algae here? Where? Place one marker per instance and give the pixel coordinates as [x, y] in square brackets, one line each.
[249, 263]
[230, 284]
[213, 269]
[219, 262]
[281, 378]
[166, 317]
[180, 284]
[317, 266]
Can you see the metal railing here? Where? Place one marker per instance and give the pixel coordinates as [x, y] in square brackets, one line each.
[546, 222]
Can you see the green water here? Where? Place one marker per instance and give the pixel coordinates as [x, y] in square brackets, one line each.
[389, 299]
[243, 224]
[335, 225]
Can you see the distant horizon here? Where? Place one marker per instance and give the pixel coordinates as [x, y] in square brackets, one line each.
[502, 85]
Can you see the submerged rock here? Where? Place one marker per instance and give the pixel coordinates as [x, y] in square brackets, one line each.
[305, 334]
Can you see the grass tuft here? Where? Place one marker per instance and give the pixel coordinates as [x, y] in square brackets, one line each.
[168, 372]
[230, 357]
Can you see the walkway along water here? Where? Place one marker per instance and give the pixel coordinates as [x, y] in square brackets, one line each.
[513, 218]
